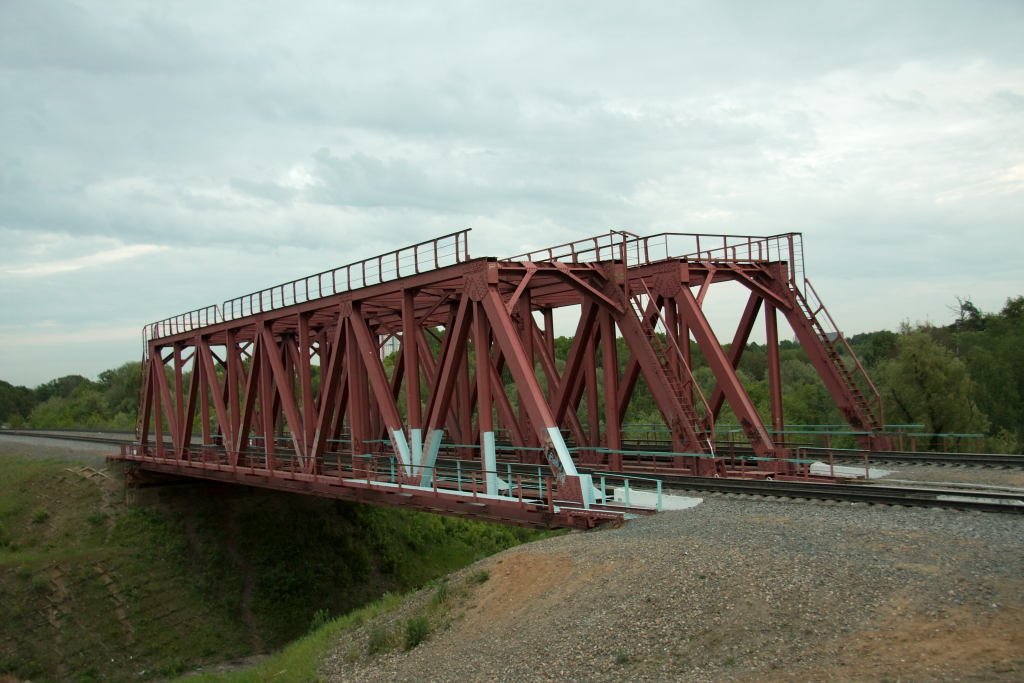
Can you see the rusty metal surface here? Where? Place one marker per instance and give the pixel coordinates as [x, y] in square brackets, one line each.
[294, 375]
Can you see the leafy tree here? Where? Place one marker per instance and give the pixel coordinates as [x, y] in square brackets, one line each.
[15, 403]
[121, 387]
[874, 347]
[75, 401]
[994, 355]
[925, 383]
[968, 316]
[62, 387]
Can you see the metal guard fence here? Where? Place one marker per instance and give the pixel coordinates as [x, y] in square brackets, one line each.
[636, 250]
[432, 254]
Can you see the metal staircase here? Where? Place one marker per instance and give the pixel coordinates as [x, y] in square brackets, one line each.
[665, 345]
[864, 404]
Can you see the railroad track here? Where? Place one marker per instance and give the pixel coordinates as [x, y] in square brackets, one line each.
[960, 499]
[874, 494]
[110, 437]
[1002, 460]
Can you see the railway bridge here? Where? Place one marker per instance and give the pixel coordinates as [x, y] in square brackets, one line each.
[289, 387]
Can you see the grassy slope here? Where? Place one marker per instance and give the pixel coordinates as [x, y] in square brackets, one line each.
[300, 660]
[96, 589]
[395, 622]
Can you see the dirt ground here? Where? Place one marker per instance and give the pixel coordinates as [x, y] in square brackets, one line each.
[736, 590]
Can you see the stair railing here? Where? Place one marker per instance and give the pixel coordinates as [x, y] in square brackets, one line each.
[691, 382]
[831, 334]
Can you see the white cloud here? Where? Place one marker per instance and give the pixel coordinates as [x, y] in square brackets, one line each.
[201, 153]
[101, 258]
[71, 337]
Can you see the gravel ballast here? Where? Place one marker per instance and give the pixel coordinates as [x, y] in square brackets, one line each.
[734, 589]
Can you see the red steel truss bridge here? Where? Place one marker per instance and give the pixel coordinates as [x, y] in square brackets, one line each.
[289, 388]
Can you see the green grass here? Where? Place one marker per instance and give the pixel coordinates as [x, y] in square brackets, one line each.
[416, 631]
[300, 660]
[188, 561]
[82, 604]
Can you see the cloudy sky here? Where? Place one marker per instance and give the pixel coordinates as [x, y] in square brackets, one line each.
[158, 157]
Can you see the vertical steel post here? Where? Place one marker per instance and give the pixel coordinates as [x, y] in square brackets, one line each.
[610, 366]
[481, 349]
[156, 365]
[590, 377]
[774, 371]
[231, 378]
[358, 415]
[410, 352]
[199, 368]
[266, 396]
[178, 400]
[525, 328]
[305, 349]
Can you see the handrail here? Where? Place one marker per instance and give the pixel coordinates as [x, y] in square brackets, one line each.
[184, 322]
[416, 258]
[638, 250]
[589, 249]
[671, 335]
[453, 248]
[813, 300]
[410, 260]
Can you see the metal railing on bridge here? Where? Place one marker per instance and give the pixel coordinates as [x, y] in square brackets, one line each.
[637, 250]
[433, 254]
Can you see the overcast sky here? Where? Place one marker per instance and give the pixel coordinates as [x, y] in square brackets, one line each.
[158, 157]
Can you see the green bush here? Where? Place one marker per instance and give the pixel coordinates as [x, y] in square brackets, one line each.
[381, 640]
[416, 631]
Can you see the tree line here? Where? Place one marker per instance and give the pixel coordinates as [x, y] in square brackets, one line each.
[73, 401]
[963, 377]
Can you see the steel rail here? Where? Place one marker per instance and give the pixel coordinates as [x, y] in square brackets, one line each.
[982, 501]
[60, 435]
[843, 455]
[917, 457]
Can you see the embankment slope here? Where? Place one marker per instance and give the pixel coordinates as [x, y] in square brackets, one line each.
[102, 583]
[735, 589]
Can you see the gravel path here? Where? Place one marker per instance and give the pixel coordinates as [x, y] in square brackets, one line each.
[735, 589]
[30, 446]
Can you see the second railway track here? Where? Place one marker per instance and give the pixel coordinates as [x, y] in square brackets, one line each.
[933, 496]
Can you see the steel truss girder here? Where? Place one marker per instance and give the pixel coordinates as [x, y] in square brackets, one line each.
[305, 386]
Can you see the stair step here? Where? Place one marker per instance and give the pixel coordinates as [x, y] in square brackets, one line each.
[846, 375]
